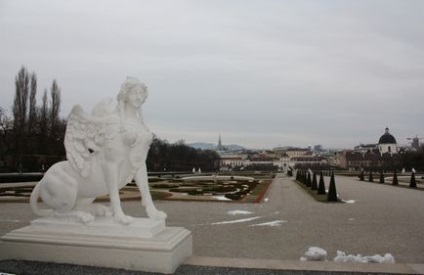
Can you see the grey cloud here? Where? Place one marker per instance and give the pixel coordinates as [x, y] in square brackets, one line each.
[264, 73]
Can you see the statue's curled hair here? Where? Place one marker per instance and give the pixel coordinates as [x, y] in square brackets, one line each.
[129, 84]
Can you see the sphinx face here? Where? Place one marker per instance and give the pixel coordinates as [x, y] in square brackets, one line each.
[136, 97]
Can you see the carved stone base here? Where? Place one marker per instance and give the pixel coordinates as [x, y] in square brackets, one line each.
[145, 245]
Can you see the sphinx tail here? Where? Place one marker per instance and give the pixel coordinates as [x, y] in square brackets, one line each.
[35, 195]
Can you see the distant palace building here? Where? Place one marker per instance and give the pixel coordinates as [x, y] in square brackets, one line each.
[281, 157]
[369, 155]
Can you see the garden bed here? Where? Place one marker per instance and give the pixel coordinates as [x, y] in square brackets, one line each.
[229, 190]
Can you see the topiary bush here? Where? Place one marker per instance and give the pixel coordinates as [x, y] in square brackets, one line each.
[413, 182]
[314, 184]
[321, 186]
[395, 179]
[332, 192]
[362, 176]
[381, 177]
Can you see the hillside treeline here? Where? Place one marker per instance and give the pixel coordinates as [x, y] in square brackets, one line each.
[164, 156]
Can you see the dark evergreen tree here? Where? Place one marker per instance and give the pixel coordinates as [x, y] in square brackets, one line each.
[289, 173]
[412, 182]
[321, 185]
[332, 192]
[362, 176]
[314, 184]
[308, 179]
[395, 179]
[381, 176]
[370, 178]
[302, 177]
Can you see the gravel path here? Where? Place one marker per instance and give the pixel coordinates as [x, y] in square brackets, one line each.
[382, 219]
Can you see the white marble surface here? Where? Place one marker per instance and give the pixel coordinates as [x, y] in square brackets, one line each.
[101, 243]
[105, 151]
[102, 226]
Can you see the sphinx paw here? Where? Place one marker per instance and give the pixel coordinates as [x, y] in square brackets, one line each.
[85, 217]
[75, 216]
[102, 210]
[123, 219]
[155, 214]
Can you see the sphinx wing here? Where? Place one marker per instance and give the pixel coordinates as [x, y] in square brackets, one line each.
[84, 136]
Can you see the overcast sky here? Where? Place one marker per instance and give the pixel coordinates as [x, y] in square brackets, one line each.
[262, 73]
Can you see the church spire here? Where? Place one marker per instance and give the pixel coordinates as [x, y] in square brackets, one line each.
[219, 143]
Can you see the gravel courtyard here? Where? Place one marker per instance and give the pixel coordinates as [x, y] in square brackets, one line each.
[379, 219]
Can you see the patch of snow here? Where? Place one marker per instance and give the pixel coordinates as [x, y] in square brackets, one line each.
[239, 212]
[314, 254]
[350, 201]
[266, 199]
[221, 198]
[343, 258]
[273, 223]
[237, 221]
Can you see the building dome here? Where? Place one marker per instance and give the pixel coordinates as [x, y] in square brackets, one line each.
[387, 138]
[387, 144]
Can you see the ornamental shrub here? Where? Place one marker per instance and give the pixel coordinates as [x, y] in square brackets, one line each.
[381, 177]
[395, 179]
[332, 193]
[308, 179]
[362, 176]
[321, 186]
[314, 184]
[412, 182]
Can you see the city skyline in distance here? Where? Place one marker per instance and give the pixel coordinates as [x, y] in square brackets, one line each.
[214, 145]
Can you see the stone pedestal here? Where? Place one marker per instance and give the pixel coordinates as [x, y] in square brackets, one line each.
[145, 245]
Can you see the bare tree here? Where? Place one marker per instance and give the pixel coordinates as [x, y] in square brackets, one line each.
[20, 103]
[20, 109]
[54, 109]
[6, 128]
[32, 115]
[2, 114]
[34, 129]
[43, 113]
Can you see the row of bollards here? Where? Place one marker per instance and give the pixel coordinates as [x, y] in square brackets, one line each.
[395, 181]
[309, 179]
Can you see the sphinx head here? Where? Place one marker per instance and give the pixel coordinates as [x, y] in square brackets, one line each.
[133, 92]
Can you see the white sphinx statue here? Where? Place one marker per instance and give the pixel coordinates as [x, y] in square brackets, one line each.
[105, 151]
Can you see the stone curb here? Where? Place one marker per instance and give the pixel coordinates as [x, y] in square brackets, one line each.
[214, 266]
[397, 268]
